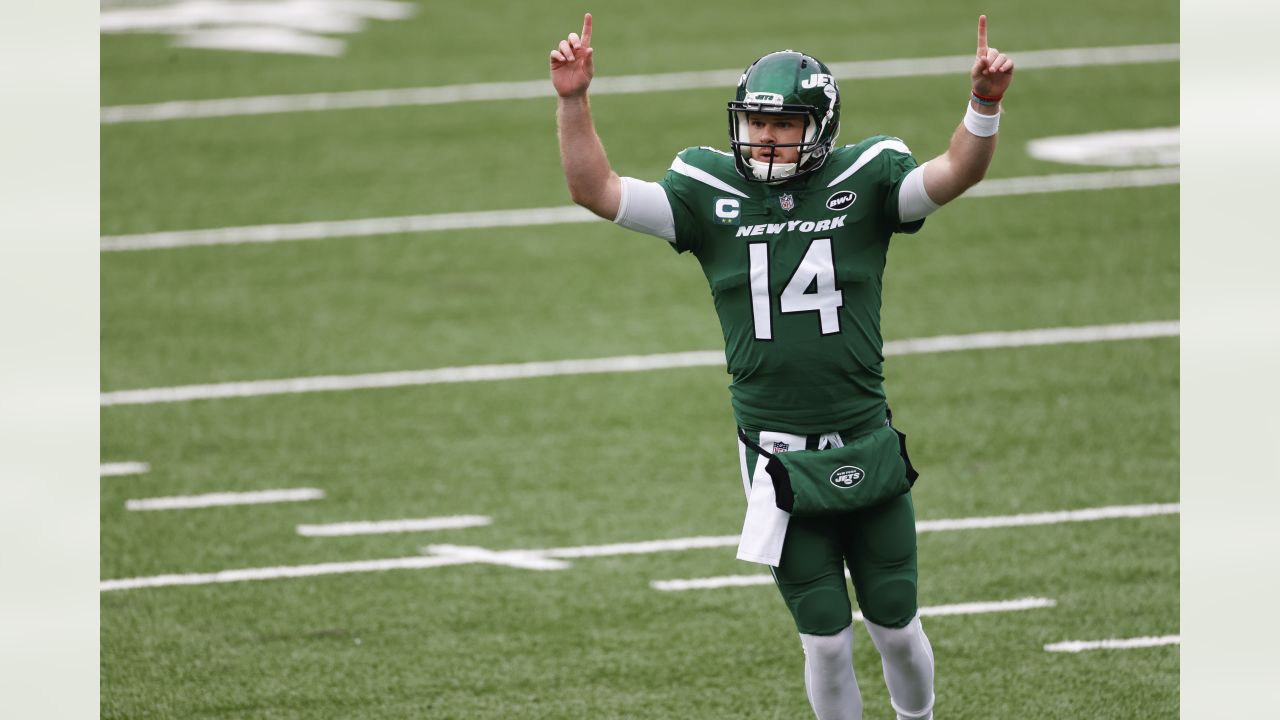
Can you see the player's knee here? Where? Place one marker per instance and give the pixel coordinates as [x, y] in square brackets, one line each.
[822, 611]
[890, 604]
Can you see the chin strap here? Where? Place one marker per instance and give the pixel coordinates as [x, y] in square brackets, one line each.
[781, 171]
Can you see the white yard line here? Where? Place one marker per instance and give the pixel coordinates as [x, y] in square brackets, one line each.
[1069, 182]
[122, 468]
[367, 227]
[713, 583]
[1031, 338]
[349, 228]
[971, 608]
[523, 559]
[643, 548]
[922, 526]
[625, 363]
[979, 608]
[925, 526]
[1075, 646]
[1114, 148]
[455, 555]
[663, 82]
[1049, 518]
[469, 373]
[416, 562]
[380, 527]
[255, 497]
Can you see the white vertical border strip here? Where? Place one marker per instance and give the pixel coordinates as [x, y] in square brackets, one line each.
[1228, 381]
[49, 365]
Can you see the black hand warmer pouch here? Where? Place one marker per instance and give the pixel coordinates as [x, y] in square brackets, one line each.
[865, 472]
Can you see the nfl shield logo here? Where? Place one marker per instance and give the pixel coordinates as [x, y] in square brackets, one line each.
[787, 202]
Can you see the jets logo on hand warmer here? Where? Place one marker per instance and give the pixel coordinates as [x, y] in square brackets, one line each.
[847, 476]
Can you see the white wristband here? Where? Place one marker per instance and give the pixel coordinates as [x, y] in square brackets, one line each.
[979, 124]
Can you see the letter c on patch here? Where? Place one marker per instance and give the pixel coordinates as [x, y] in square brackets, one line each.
[726, 208]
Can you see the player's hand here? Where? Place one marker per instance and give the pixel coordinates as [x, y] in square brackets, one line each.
[571, 63]
[992, 70]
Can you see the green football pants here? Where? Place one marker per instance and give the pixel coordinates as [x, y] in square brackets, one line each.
[877, 544]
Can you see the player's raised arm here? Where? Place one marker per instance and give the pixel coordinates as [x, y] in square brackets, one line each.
[592, 182]
[974, 142]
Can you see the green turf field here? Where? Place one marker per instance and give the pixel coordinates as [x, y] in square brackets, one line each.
[591, 460]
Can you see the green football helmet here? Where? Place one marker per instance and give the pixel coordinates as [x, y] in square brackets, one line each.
[785, 83]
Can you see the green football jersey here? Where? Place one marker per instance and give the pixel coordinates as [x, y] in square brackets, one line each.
[795, 271]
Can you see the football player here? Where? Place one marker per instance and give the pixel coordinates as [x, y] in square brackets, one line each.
[792, 232]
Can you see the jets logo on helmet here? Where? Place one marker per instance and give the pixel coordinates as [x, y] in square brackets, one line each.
[817, 79]
[785, 83]
[763, 101]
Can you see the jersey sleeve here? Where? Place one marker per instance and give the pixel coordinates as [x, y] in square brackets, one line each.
[897, 162]
[644, 207]
[682, 193]
[914, 202]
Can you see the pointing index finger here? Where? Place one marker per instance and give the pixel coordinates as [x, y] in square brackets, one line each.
[982, 36]
[586, 30]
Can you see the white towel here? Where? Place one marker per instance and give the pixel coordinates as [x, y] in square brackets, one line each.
[765, 526]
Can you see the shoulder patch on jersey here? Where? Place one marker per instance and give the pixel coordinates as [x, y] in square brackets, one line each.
[695, 173]
[868, 155]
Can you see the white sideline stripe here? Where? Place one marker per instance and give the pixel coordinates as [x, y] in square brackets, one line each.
[1075, 646]
[524, 559]
[367, 227]
[624, 363]
[122, 468]
[662, 82]
[256, 497]
[457, 556]
[380, 527]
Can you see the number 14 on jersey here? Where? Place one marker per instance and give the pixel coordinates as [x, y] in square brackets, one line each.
[816, 271]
